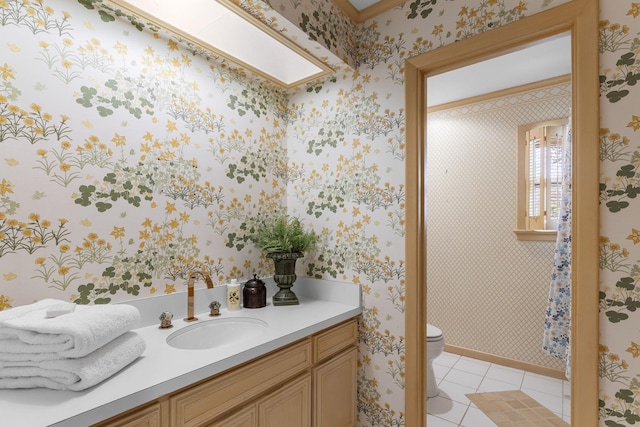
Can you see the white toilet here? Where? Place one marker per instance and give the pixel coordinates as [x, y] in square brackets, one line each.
[435, 345]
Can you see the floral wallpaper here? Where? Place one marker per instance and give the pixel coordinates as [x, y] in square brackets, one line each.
[620, 225]
[129, 157]
[128, 160]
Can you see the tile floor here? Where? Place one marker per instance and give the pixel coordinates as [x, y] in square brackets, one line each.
[459, 375]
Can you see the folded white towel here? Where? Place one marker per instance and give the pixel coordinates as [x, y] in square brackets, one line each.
[74, 374]
[26, 333]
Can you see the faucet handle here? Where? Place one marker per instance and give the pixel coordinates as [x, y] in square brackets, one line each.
[207, 278]
[215, 308]
[165, 320]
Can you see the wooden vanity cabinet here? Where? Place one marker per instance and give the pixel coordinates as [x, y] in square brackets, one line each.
[310, 383]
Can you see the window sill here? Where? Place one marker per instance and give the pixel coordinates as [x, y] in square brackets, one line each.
[537, 235]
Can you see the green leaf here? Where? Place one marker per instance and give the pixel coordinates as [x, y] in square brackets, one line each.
[632, 305]
[103, 207]
[632, 191]
[109, 272]
[615, 206]
[110, 178]
[626, 283]
[615, 317]
[616, 96]
[626, 395]
[87, 95]
[626, 59]
[106, 17]
[627, 171]
[104, 112]
[615, 303]
[82, 202]
[88, 3]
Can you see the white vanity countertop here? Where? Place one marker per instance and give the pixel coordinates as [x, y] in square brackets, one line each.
[163, 369]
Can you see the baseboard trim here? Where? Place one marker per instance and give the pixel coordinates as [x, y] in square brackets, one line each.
[505, 361]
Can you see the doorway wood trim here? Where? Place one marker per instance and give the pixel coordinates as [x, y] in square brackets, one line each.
[580, 17]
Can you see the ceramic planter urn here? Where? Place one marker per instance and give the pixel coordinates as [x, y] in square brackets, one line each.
[285, 275]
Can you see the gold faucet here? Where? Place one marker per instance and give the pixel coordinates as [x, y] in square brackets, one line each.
[190, 292]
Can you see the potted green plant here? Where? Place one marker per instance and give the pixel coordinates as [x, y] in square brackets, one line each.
[284, 239]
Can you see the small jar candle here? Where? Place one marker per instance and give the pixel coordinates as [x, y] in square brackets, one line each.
[254, 294]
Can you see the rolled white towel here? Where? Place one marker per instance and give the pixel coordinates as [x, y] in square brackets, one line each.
[74, 374]
[29, 333]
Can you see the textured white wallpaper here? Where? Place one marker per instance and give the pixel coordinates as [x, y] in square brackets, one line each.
[487, 291]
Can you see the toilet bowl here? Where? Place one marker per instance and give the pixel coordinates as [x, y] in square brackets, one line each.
[435, 345]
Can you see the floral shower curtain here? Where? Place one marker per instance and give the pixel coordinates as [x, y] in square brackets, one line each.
[557, 324]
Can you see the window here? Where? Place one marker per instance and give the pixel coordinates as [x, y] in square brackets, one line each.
[540, 166]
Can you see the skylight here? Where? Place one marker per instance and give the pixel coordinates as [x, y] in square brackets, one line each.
[362, 4]
[221, 30]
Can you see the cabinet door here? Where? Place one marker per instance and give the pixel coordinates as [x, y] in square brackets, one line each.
[289, 406]
[335, 383]
[246, 417]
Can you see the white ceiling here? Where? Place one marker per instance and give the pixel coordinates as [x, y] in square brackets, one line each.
[549, 58]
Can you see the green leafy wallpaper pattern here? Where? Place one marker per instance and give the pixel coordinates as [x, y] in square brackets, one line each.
[409, 30]
[128, 161]
[350, 136]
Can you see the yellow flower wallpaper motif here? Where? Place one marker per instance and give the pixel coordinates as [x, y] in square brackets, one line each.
[155, 158]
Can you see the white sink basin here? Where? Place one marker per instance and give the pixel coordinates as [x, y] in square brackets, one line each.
[216, 333]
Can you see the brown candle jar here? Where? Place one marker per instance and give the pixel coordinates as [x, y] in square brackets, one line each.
[254, 294]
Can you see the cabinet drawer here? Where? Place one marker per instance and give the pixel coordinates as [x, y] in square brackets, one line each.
[148, 416]
[246, 417]
[335, 339]
[203, 402]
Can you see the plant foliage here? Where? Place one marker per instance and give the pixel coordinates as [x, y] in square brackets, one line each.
[283, 234]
